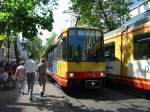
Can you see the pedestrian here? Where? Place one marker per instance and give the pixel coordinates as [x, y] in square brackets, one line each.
[8, 69]
[42, 67]
[30, 67]
[20, 77]
[3, 76]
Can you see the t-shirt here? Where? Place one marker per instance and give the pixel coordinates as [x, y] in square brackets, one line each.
[20, 72]
[42, 68]
[30, 66]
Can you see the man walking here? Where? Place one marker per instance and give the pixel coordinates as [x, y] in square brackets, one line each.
[31, 67]
[42, 75]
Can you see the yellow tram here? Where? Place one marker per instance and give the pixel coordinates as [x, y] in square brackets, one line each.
[127, 53]
[76, 60]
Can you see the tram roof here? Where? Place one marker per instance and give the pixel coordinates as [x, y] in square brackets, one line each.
[133, 22]
[64, 32]
[79, 27]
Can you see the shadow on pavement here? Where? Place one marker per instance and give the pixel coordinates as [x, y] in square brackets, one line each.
[102, 94]
[10, 109]
[113, 92]
[138, 93]
[8, 96]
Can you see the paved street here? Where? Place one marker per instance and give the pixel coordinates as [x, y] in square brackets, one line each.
[108, 100]
[57, 100]
[53, 101]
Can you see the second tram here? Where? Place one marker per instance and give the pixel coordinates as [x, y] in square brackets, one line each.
[127, 53]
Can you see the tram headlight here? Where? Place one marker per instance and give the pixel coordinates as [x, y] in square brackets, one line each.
[71, 75]
[102, 74]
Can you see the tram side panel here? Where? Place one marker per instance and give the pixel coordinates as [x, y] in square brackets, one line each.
[133, 57]
[138, 68]
[112, 53]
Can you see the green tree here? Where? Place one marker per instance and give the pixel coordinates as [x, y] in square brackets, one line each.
[104, 14]
[50, 39]
[26, 17]
[35, 47]
[49, 42]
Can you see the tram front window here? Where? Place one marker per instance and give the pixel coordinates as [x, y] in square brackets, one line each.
[80, 44]
[75, 49]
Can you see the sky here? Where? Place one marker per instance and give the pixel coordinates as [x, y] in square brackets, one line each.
[61, 20]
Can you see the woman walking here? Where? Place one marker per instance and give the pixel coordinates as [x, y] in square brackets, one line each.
[20, 77]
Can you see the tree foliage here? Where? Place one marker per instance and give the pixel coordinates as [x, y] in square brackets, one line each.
[50, 39]
[104, 14]
[26, 16]
[35, 47]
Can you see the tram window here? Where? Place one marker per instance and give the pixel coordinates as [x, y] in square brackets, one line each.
[49, 56]
[59, 50]
[141, 46]
[55, 53]
[141, 21]
[99, 54]
[72, 32]
[70, 51]
[64, 48]
[109, 51]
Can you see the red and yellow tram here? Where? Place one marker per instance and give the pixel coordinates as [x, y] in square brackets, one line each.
[76, 60]
[127, 54]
